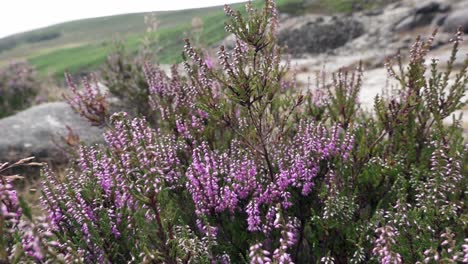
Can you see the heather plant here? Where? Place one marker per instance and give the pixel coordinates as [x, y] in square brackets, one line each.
[123, 75]
[18, 87]
[239, 165]
[21, 237]
[123, 71]
[90, 102]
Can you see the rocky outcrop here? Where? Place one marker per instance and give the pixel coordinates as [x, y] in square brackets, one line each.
[321, 35]
[423, 14]
[38, 132]
[391, 25]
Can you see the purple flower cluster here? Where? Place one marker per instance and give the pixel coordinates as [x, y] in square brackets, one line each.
[66, 203]
[136, 145]
[175, 99]
[383, 246]
[219, 181]
[258, 255]
[138, 161]
[298, 168]
[311, 145]
[9, 207]
[443, 181]
[288, 231]
[447, 252]
[167, 94]
[36, 239]
[288, 239]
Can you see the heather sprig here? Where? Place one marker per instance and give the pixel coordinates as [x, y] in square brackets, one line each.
[90, 103]
[447, 252]
[343, 96]
[22, 237]
[383, 245]
[416, 112]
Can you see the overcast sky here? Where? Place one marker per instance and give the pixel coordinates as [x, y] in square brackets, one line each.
[23, 15]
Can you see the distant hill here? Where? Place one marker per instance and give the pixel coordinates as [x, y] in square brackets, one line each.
[84, 44]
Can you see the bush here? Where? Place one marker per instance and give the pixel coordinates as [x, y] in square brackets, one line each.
[8, 44]
[123, 74]
[18, 87]
[243, 167]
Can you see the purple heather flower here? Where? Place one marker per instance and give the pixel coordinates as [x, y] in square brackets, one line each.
[383, 245]
[258, 255]
[9, 206]
[209, 62]
[90, 103]
[253, 219]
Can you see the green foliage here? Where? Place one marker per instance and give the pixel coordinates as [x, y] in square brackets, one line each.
[123, 74]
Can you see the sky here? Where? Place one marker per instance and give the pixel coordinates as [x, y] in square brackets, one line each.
[23, 15]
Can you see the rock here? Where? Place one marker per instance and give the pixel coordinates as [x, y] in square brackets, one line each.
[374, 12]
[229, 42]
[440, 19]
[427, 7]
[457, 18]
[284, 16]
[37, 132]
[406, 24]
[422, 15]
[320, 35]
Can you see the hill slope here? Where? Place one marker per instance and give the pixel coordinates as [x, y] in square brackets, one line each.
[84, 44]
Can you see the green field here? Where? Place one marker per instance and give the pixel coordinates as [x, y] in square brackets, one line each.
[84, 44]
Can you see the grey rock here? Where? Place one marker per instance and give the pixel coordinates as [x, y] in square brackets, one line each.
[427, 7]
[414, 21]
[374, 12]
[422, 15]
[440, 19]
[319, 37]
[37, 132]
[458, 17]
[284, 16]
[406, 24]
[229, 42]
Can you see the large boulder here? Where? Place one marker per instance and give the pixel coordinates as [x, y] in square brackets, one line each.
[321, 35]
[39, 131]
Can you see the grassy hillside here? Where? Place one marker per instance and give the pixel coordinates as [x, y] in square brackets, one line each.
[84, 44]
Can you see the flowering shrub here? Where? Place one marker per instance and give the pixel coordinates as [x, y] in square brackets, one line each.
[123, 72]
[240, 166]
[18, 87]
[124, 75]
